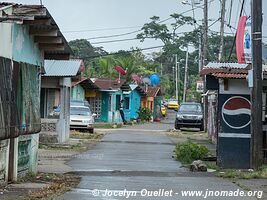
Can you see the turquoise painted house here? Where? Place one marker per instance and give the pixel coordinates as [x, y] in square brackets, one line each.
[104, 97]
[132, 101]
[28, 36]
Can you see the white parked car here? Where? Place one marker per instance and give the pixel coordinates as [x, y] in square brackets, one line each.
[81, 117]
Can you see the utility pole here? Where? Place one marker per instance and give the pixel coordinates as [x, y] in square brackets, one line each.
[205, 32]
[256, 95]
[185, 75]
[200, 61]
[176, 78]
[205, 52]
[173, 74]
[222, 30]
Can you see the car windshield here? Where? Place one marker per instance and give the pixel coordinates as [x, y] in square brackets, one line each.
[190, 108]
[79, 103]
[80, 111]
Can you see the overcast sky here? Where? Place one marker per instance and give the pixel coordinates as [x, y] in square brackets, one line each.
[93, 18]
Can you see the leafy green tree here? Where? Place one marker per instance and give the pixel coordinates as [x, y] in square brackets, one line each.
[83, 49]
[175, 43]
[128, 63]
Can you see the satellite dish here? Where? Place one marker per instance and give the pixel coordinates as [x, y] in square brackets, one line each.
[155, 79]
[146, 81]
[120, 70]
[136, 78]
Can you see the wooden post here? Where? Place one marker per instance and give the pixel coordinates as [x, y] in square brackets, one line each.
[256, 95]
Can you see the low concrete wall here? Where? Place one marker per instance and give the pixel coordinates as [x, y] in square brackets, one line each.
[27, 154]
[4, 150]
[54, 131]
[25, 157]
[48, 132]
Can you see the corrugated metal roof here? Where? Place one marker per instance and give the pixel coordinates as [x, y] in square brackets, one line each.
[215, 65]
[226, 70]
[109, 84]
[65, 68]
[229, 70]
[207, 71]
[152, 91]
[138, 88]
[104, 84]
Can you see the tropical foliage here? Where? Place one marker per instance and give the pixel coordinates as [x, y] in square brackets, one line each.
[100, 64]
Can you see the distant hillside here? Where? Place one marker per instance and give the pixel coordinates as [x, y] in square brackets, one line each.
[84, 50]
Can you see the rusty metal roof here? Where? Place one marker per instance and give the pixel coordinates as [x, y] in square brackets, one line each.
[104, 84]
[229, 75]
[138, 88]
[152, 91]
[226, 70]
[86, 83]
[111, 84]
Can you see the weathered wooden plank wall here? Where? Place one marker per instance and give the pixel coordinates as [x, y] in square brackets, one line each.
[8, 115]
[19, 99]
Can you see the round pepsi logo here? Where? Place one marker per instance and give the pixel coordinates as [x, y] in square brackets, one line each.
[236, 112]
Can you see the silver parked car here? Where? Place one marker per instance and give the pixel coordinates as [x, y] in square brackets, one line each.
[79, 102]
[81, 117]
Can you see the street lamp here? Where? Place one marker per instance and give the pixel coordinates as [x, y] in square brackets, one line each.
[176, 78]
[193, 2]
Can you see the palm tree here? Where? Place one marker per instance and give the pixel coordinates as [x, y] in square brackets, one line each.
[129, 64]
[107, 68]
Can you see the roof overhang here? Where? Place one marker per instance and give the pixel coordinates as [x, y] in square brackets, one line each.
[43, 28]
[141, 91]
[226, 70]
[87, 84]
[125, 87]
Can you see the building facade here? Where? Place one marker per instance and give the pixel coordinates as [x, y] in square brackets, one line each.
[25, 43]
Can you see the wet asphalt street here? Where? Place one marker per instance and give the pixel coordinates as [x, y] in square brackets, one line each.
[131, 163]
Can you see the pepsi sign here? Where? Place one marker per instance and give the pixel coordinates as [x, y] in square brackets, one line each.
[236, 112]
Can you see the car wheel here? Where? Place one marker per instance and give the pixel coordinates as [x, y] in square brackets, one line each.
[91, 130]
[177, 127]
[201, 128]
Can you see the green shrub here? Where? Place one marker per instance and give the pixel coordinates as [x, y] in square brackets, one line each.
[145, 114]
[188, 152]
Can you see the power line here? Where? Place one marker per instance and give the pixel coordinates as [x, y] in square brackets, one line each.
[241, 11]
[117, 35]
[214, 22]
[101, 29]
[129, 51]
[111, 41]
[123, 34]
[119, 28]
[230, 12]
[128, 39]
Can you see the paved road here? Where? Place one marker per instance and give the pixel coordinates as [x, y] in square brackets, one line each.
[138, 159]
